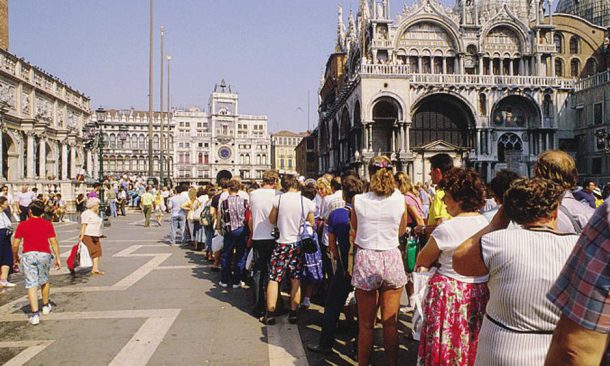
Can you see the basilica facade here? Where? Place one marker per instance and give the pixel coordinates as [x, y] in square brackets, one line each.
[486, 81]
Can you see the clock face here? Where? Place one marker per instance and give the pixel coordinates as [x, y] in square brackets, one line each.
[224, 153]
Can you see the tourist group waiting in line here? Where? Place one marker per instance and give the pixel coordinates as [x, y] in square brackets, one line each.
[514, 272]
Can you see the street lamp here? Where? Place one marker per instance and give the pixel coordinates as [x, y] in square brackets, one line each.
[4, 108]
[94, 139]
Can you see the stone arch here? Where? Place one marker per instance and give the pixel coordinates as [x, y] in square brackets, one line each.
[516, 111]
[52, 154]
[449, 28]
[444, 117]
[495, 32]
[386, 113]
[11, 166]
[510, 148]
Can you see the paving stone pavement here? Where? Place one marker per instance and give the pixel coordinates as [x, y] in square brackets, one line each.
[156, 305]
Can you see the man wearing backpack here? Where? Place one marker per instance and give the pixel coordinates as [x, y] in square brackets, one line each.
[560, 167]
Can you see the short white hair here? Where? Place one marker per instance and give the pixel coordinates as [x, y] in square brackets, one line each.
[92, 202]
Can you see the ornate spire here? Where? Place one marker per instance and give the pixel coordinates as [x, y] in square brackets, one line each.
[351, 28]
[340, 30]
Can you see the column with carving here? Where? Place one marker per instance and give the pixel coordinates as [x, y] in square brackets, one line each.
[64, 161]
[30, 168]
[89, 163]
[42, 158]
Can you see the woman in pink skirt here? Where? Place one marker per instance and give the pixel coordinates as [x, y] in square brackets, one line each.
[455, 304]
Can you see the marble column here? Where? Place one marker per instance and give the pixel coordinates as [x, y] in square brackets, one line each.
[444, 66]
[42, 158]
[511, 69]
[64, 161]
[408, 136]
[72, 162]
[89, 163]
[30, 156]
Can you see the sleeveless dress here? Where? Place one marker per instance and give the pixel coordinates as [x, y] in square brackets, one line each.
[523, 265]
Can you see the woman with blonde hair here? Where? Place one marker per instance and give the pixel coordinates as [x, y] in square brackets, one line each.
[378, 275]
[189, 209]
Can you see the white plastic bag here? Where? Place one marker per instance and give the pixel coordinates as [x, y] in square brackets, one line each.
[250, 260]
[420, 291]
[84, 257]
[217, 243]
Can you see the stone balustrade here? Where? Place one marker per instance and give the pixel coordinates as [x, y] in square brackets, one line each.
[403, 71]
[593, 81]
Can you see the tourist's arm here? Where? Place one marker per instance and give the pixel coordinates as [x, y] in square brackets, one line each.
[574, 345]
[310, 218]
[83, 228]
[402, 228]
[467, 258]
[55, 247]
[332, 245]
[273, 216]
[429, 254]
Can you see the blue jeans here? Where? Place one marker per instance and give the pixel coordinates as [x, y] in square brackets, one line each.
[209, 235]
[113, 211]
[233, 241]
[178, 224]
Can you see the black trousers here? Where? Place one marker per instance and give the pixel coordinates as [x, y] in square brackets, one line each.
[25, 211]
[262, 256]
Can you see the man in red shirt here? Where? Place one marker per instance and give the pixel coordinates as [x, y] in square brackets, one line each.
[36, 235]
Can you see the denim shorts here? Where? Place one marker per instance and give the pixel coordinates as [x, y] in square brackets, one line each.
[36, 267]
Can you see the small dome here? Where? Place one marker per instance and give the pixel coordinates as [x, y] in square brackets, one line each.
[595, 11]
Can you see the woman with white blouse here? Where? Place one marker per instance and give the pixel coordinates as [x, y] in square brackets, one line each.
[91, 232]
[379, 274]
[454, 306]
[522, 263]
[6, 254]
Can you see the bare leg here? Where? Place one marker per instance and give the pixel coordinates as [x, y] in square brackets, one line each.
[272, 294]
[96, 263]
[217, 259]
[295, 294]
[4, 273]
[390, 302]
[367, 312]
[33, 298]
[410, 290]
[46, 290]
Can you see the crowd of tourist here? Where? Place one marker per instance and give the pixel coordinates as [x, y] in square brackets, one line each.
[518, 269]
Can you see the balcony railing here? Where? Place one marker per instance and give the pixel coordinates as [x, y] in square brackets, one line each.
[546, 48]
[593, 81]
[382, 43]
[403, 71]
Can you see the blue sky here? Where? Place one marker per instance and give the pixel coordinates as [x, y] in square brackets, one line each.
[271, 51]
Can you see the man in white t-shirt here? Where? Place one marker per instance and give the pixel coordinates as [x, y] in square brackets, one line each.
[263, 242]
[289, 211]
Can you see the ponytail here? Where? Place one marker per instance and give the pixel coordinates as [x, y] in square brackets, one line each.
[382, 177]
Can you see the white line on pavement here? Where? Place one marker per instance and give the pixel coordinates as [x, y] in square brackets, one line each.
[285, 345]
[32, 348]
[188, 266]
[144, 343]
[93, 315]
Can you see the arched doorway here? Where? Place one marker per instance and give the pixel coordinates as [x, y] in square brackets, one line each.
[50, 166]
[442, 117]
[10, 158]
[345, 148]
[356, 131]
[386, 114]
[510, 153]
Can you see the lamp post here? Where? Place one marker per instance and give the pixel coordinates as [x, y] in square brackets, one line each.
[94, 138]
[4, 107]
[161, 111]
[169, 119]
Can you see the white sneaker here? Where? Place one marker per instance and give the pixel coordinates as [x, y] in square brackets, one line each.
[47, 309]
[6, 284]
[34, 319]
[222, 284]
[238, 285]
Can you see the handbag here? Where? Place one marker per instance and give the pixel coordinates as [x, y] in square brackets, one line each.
[313, 269]
[217, 243]
[306, 234]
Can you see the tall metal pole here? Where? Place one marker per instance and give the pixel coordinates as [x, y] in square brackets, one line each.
[161, 111]
[169, 119]
[308, 109]
[100, 150]
[150, 95]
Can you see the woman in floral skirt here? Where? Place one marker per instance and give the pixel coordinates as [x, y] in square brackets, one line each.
[455, 304]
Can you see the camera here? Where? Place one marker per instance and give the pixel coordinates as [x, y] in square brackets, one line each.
[275, 233]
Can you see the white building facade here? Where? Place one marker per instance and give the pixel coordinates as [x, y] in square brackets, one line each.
[41, 125]
[220, 141]
[476, 81]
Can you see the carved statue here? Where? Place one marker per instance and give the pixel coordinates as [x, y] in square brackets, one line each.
[25, 107]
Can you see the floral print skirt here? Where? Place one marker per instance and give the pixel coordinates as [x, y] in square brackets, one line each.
[453, 314]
